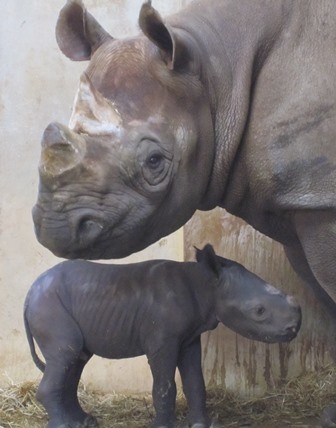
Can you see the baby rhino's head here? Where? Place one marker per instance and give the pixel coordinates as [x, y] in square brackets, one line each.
[248, 305]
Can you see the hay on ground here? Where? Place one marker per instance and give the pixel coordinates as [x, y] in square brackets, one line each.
[300, 399]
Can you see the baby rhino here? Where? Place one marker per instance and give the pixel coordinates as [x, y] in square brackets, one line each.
[158, 308]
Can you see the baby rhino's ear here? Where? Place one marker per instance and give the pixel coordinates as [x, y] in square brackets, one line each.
[208, 257]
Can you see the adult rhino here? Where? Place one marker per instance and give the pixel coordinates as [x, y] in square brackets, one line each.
[226, 103]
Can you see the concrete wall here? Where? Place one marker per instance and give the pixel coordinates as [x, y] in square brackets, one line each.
[37, 86]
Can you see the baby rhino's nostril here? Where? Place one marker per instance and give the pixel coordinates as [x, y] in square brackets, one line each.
[291, 329]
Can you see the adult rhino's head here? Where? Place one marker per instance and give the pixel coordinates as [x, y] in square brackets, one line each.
[125, 172]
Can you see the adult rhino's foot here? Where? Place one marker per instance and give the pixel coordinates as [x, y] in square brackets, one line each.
[328, 417]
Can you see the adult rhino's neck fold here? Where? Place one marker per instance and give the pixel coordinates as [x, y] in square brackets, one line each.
[234, 45]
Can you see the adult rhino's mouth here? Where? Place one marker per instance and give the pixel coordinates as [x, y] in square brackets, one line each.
[65, 240]
[86, 236]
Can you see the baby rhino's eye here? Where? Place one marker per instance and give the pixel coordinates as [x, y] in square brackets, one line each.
[260, 310]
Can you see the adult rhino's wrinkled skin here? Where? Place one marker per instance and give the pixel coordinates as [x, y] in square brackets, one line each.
[158, 308]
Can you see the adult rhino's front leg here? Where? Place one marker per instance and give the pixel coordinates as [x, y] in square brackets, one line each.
[316, 231]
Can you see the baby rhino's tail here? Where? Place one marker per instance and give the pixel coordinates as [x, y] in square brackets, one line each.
[39, 363]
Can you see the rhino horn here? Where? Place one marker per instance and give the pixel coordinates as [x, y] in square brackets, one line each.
[92, 112]
[78, 34]
[62, 150]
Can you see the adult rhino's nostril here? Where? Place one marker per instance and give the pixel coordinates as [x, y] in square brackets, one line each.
[88, 230]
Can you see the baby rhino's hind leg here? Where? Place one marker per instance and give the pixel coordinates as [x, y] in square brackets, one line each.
[71, 403]
[61, 344]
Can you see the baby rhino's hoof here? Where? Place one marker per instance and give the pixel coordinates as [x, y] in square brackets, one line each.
[89, 422]
[328, 417]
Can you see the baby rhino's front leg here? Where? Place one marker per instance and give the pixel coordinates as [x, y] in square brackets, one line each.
[163, 363]
[190, 367]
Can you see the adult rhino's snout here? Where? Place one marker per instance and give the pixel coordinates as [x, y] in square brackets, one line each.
[67, 236]
[65, 232]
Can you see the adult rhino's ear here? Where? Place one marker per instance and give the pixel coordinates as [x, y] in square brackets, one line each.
[173, 48]
[78, 34]
[208, 256]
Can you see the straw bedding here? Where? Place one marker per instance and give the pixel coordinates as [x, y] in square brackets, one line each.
[295, 404]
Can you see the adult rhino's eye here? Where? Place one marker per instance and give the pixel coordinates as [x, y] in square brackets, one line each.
[154, 161]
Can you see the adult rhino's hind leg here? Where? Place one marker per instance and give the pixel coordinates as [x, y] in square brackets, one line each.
[317, 234]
